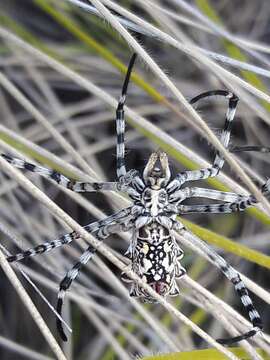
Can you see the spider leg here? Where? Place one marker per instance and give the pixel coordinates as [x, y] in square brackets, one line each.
[68, 238]
[225, 138]
[125, 178]
[234, 277]
[242, 204]
[216, 194]
[205, 193]
[257, 148]
[77, 186]
[71, 275]
[212, 208]
[120, 123]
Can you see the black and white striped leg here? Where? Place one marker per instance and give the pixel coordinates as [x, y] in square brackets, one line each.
[192, 192]
[68, 238]
[71, 275]
[43, 248]
[226, 133]
[120, 124]
[242, 204]
[234, 277]
[256, 148]
[74, 185]
[210, 209]
[225, 196]
[225, 138]
[66, 283]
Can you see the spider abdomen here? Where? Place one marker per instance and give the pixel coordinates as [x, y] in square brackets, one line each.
[155, 259]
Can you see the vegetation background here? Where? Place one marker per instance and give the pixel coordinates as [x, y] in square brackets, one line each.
[62, 67]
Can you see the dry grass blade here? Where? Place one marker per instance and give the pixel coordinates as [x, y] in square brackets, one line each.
[216, 56]
[31, 308]
[21, 350]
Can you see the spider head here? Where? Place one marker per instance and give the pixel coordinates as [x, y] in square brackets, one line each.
[157, 172]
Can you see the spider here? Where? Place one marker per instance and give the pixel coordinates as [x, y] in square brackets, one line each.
[157, 200]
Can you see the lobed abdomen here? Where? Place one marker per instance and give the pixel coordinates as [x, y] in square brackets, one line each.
[156, 259]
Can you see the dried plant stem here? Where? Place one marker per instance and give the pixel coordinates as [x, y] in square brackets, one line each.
[31, 307]
[15, 348]
[18, 95]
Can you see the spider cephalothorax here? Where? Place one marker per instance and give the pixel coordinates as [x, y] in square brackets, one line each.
[152, 217]
[156, 175]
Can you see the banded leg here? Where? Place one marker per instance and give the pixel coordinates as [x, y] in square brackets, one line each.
[71, 275]
[74, 185]
[206, 193]
[120, 124]
[225, 138]
[257, 148]
[234, 277]
[68, 238]
[244, 203]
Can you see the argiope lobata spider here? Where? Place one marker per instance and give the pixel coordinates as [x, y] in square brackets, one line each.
[157, 200]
